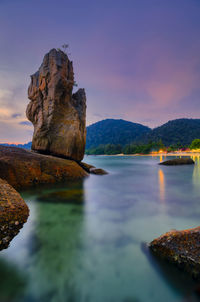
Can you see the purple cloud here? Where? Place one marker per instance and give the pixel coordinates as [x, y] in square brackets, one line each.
[139, 60]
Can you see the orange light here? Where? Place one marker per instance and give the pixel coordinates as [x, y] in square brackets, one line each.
[161, 178]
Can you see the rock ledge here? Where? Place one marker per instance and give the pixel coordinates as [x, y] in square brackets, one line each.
[22, 168]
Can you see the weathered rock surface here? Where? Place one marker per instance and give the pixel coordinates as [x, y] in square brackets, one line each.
[13, 213]
[178, 161]
[22, 168]
[181, 248]
[58, 115]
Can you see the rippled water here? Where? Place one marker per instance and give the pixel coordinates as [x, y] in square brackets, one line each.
[85, 241]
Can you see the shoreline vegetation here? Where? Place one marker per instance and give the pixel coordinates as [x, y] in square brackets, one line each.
[161, 154]
[152, 149]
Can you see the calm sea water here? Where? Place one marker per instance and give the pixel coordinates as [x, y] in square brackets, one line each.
[86, 241]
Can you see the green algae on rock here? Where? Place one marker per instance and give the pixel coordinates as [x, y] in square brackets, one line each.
[181, 248]
[63, 196]
[178, 161]
[13, 213]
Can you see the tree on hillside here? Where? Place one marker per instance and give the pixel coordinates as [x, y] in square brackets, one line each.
[195, 144]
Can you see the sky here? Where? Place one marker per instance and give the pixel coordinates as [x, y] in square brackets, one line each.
[138, 60]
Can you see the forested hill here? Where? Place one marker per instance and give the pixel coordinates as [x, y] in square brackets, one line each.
[24, 146]
[113, 131]
[120, 132]
[180, 131]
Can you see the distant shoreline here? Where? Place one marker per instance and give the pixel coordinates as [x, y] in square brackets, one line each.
[151, 154]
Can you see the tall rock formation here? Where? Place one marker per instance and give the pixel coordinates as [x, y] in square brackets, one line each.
[58, 116]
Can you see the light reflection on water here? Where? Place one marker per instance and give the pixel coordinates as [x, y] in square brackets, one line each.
[161, 178]
[84, 241]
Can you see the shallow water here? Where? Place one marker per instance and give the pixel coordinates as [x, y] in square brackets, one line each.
[86, 241]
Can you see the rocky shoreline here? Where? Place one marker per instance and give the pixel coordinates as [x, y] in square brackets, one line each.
[13, 213]
[22, 168]
[58, 146]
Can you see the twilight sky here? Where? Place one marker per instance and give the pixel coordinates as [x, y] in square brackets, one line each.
[137, 59]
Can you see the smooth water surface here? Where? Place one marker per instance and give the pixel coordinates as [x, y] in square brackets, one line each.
[86, 241]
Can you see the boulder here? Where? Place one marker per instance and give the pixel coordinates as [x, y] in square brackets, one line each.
[23, 168]
[58, 116]
[98, 171]
[86, 166]
[13, 213]
[92, 169]
[181, 248]
[178, 161]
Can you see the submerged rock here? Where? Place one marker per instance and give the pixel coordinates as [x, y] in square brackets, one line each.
[86, 166]
[75, 196]
[178, 161]
[92, 169]
[98, 171]
[58, 115]
[13, 213]
[22, 168]
[181, 248]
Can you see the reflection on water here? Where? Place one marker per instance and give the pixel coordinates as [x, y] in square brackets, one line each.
[178, 280]
[56, 253]
[83, 240]
[12, 283]
[196, 172]
[161, 178]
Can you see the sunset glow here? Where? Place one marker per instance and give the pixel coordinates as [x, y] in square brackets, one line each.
[133, 64]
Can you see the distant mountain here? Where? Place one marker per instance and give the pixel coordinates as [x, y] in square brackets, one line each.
[182, 131]
[114, 131]
[24, 146]
[111, 131]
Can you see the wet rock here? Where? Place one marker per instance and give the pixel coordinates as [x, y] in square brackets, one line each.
[86, 166]
[13, 213]
[92, 169]
[22, 168]
[58, 115]
[98, 171]
[178, 161]
[181, 248]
